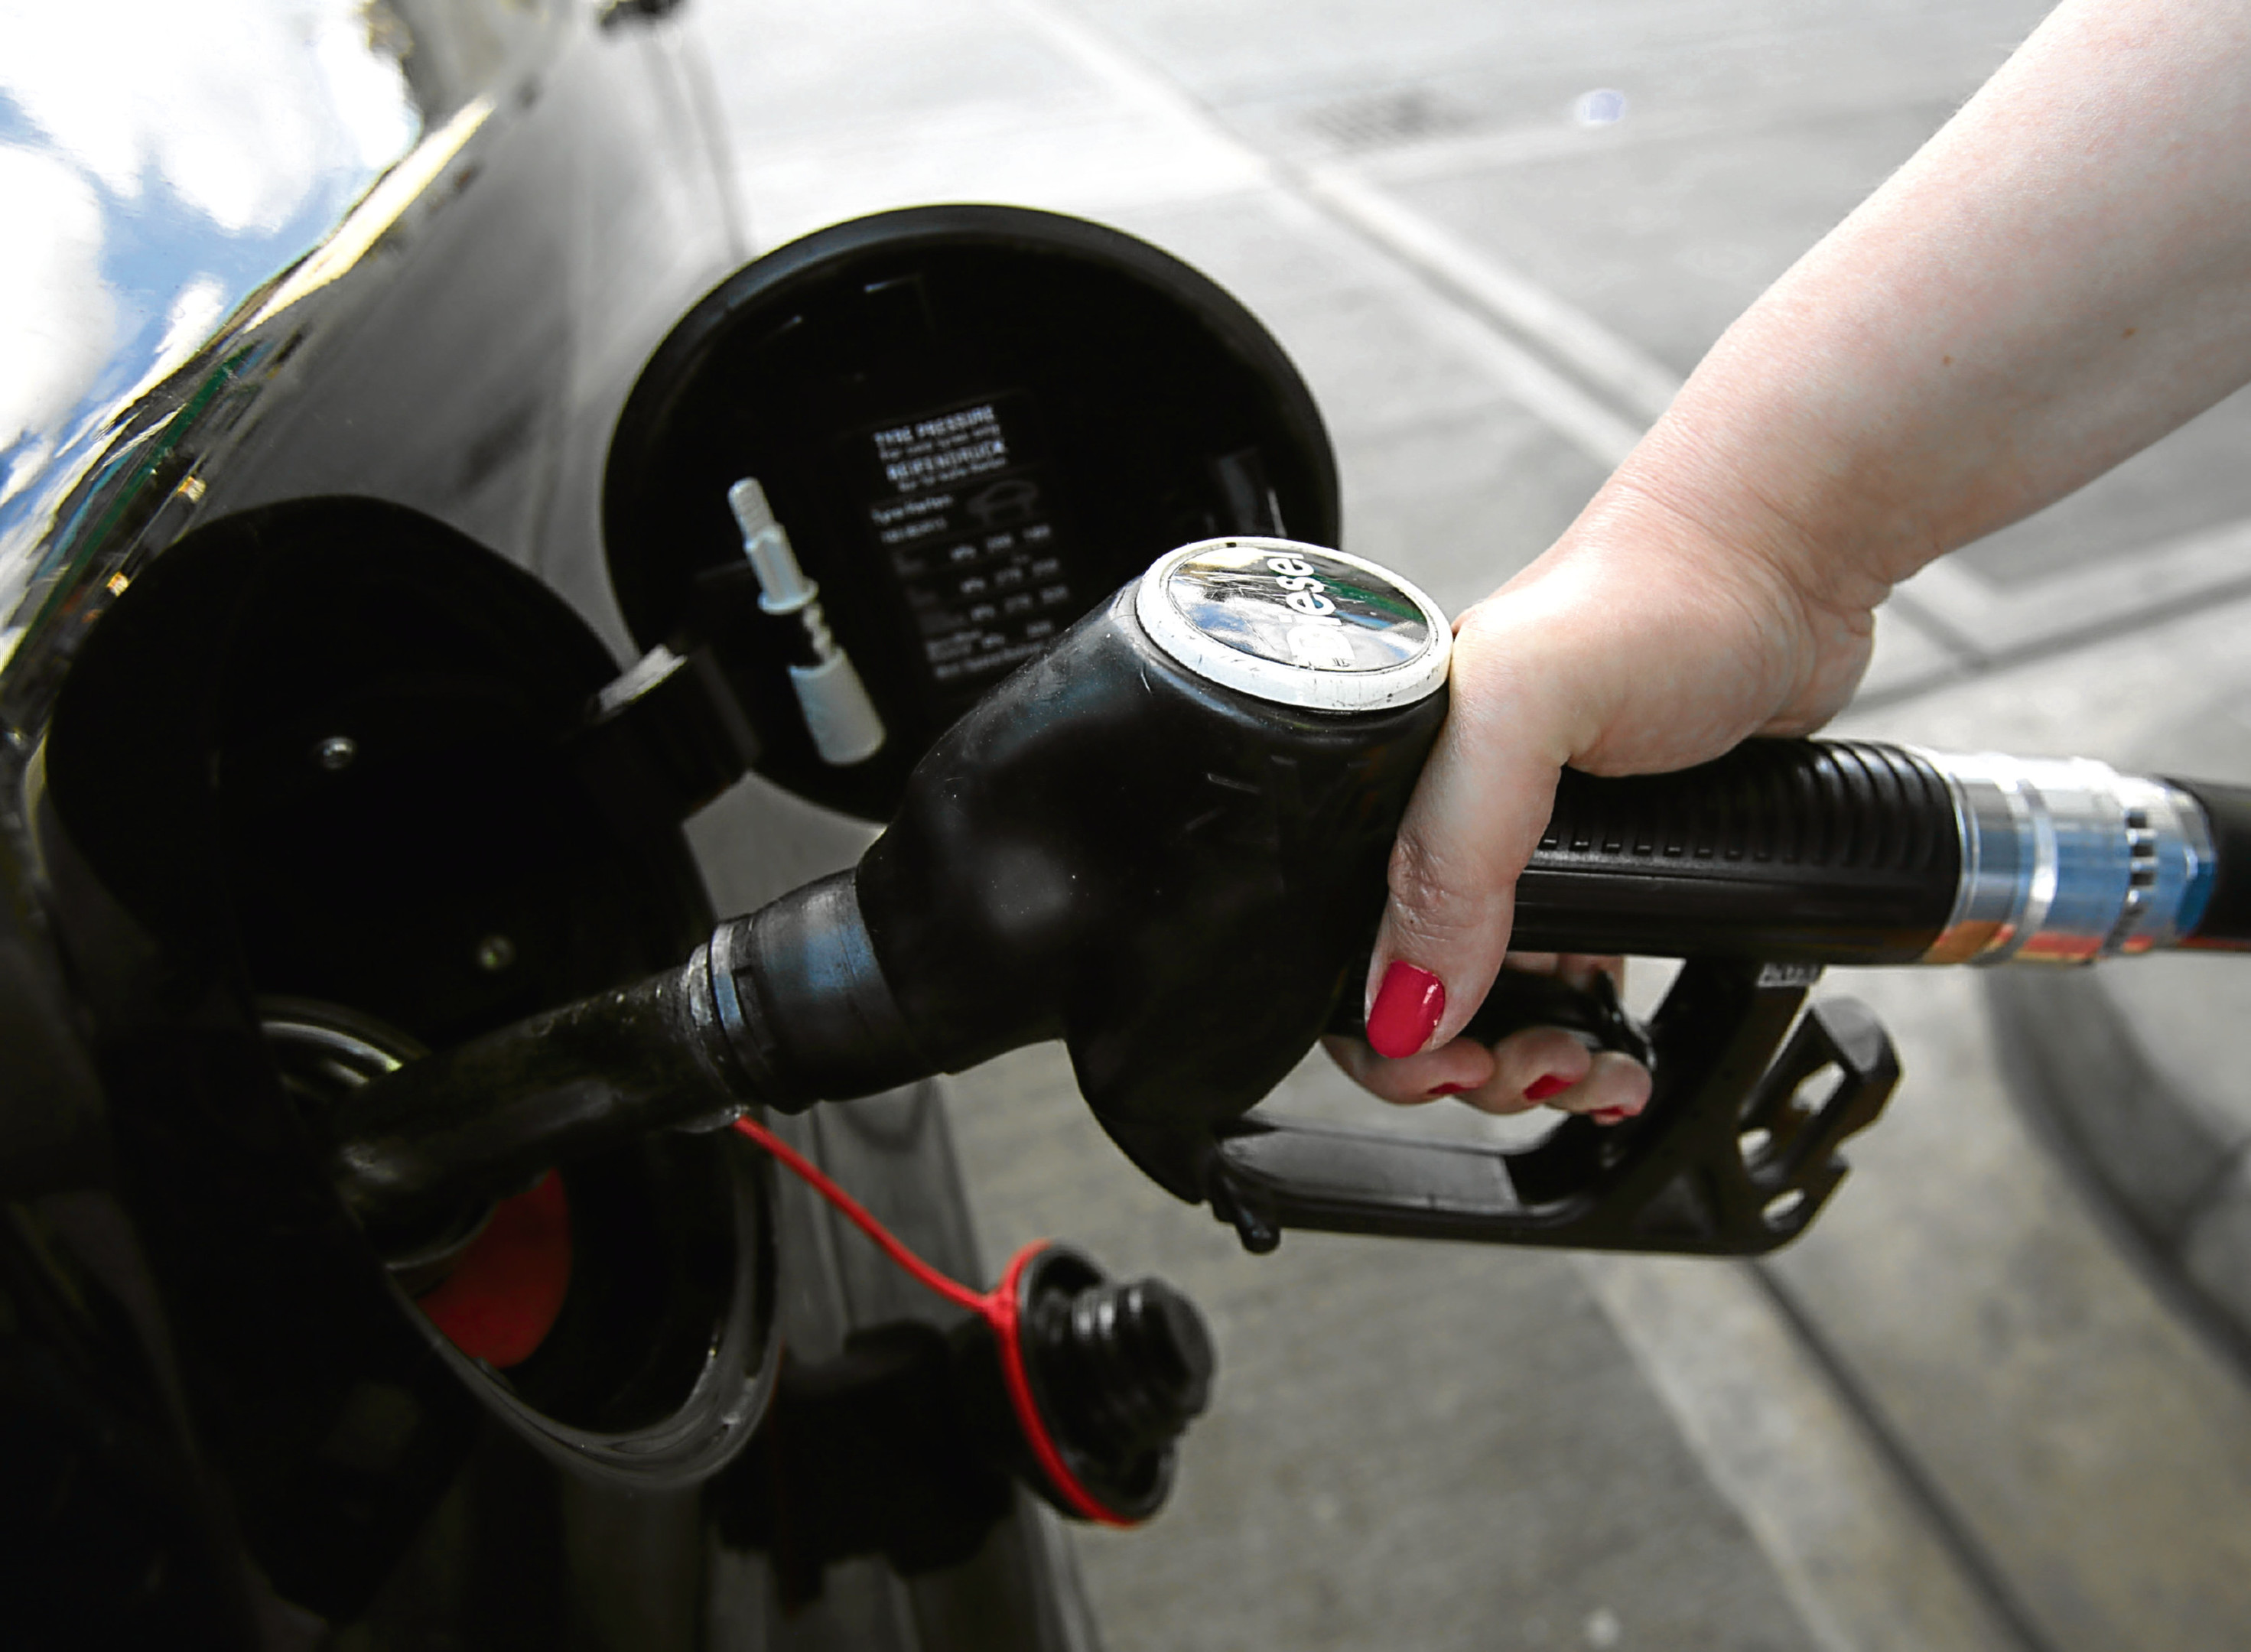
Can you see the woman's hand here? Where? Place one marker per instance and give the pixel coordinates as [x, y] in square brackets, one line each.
[1652, 637]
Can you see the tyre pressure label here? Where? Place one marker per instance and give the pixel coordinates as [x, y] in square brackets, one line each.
[960, 506]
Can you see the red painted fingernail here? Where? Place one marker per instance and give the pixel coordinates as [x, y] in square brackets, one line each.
[1445, 1089]
[1540, 1089]
[1406, 1012]
[1610, 1115]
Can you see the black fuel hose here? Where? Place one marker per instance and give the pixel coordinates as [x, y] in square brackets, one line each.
[1853, 852]
[2225, 923]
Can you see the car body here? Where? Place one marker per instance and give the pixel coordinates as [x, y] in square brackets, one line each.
[311, 276]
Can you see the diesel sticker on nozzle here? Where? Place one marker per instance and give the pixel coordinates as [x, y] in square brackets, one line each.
[958, 504]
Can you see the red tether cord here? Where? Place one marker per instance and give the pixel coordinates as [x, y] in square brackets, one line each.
[997, 1308]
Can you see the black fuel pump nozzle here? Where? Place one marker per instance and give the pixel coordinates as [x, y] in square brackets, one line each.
[1173, 864]
[1172, 874]
[1164, 843]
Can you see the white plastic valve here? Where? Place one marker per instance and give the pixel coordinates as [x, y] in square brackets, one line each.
[783, 588]
[839, 716]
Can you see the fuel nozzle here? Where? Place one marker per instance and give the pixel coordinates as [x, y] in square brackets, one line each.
[1162, 842]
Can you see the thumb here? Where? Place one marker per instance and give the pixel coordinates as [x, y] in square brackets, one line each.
[1474, 819]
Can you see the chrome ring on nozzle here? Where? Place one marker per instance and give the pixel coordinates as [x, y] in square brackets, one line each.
[1296, 624]
[2065, 860]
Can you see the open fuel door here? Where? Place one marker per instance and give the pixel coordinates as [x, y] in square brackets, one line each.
[973, 422]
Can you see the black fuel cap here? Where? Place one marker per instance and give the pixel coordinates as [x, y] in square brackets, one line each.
[1296, 624]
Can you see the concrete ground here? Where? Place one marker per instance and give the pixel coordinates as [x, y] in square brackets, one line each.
[1494, 237]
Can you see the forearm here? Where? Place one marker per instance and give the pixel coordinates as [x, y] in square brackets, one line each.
[2059, 277]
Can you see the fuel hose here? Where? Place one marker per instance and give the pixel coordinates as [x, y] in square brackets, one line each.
[1853, 852]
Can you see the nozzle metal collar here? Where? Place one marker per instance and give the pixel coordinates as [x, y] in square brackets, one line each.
[1295, 623]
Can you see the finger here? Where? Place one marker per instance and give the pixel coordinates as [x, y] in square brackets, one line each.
[1456, 1068]
[1615, 1088]
[1582, 969]
[1475, 818]
[1529, 1068]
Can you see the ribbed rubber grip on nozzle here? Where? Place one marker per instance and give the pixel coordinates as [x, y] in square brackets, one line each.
[1787, 851]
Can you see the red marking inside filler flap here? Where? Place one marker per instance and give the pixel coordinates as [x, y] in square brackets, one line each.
[500, 1300]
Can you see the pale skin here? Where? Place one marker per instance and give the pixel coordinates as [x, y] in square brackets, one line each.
[2059, 277]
